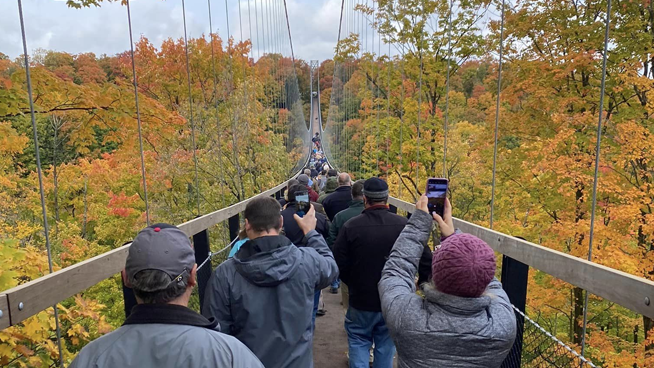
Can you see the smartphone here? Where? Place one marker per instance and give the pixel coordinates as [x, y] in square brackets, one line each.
[436, 194]
[303, 203]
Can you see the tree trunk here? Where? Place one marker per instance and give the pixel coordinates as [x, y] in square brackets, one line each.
[578, 315]
[648, 325]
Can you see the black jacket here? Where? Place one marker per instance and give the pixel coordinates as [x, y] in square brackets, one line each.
[362, 249]
[293, 231]
[337, 201]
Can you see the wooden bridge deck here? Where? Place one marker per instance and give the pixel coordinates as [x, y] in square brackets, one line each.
[330, 339]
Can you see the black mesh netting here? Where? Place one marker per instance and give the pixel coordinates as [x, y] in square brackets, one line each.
[538, 348]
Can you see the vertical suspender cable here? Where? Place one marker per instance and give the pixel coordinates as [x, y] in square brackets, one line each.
[239, 171]
[190, 111]
[597, 163]
[497, 116]
[422, 44]
[388, 106]
[290, 38]
[256, 17]
[138, 115]
[215, 93]
[447, 89]
[218, 129]
[374, 4]
[44, 212]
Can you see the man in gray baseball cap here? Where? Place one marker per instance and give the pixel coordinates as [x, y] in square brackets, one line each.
[161, 270]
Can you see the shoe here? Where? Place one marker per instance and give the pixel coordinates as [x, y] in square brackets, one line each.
[333, 290]
[321, 312]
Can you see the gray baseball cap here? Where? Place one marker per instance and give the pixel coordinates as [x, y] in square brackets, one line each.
[161, 247]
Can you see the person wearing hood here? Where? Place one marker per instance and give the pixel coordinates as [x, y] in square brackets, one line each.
[330, 187]
[264, 295]
[304, 180]
[465, 319]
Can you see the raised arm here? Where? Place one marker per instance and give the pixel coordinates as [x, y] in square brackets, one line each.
[397, 281]
[325, 265]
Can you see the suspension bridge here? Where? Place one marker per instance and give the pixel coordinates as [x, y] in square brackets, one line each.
[292, 117]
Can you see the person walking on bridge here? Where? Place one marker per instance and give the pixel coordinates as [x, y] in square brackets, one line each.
[304, 180]
[465, 319]
[355, 209]
[361, 249]
[340, 199]
[264, 294]
[161, 330]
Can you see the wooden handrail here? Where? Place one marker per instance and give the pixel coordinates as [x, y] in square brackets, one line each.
[619, 287]
[629, 291]
[26, 300]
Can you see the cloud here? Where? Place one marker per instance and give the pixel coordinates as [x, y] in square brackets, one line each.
[51, 25]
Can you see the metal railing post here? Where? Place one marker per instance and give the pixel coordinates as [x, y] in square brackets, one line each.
[392, 208]
[234, 226]
[201, 246]
[515, 275]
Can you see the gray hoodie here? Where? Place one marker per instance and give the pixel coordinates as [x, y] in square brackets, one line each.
[441, 330]
[263, 296]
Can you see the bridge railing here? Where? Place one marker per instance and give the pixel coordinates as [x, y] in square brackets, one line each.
[632, 292]
[26, 300]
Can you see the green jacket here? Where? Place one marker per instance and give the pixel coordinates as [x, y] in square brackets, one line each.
[330, 187]
[355, 209]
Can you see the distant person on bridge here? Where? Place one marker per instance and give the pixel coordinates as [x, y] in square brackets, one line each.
[465, 318]
[316, 140]
[340, 199]
[330, 186]
[161, 331]
[284, 201]
[264, 295]
[303, 179]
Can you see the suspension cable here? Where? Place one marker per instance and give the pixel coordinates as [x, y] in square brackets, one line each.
[497, 116]
[138, 115]
[190, 111]
[597, 163]
[422, 44]
[447, 89]
[44, 212]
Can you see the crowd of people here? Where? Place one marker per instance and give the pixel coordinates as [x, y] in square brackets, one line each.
[261, 304]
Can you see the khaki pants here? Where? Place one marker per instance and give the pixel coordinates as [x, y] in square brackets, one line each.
[345, 295]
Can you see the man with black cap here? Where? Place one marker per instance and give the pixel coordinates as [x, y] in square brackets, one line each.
[161, 331]
[304, 180]
[361, 250]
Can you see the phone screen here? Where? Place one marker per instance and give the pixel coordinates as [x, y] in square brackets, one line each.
[303, 204]
[436, 193]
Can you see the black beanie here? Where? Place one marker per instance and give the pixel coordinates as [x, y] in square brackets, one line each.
[375, 189]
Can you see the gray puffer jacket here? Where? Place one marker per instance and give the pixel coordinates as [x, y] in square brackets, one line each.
[441, 330]
[264, 295]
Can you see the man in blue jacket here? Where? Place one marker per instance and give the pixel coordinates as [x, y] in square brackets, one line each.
[264, 294]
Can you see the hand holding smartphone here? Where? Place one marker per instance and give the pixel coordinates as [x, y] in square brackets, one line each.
[436, 193]
[303, 203]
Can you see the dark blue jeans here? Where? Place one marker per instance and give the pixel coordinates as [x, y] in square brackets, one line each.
[316, 301]
[363, 328]
[336, 283]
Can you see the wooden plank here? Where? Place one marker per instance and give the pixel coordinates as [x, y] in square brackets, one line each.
[51, 289]
[5, 321]
[627, 290]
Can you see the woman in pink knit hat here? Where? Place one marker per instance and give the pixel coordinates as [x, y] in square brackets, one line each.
[465, 318]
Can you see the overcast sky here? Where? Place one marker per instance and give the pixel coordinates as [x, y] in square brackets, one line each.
[51, 25]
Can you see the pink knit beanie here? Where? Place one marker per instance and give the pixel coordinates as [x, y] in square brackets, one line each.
[463, 266]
